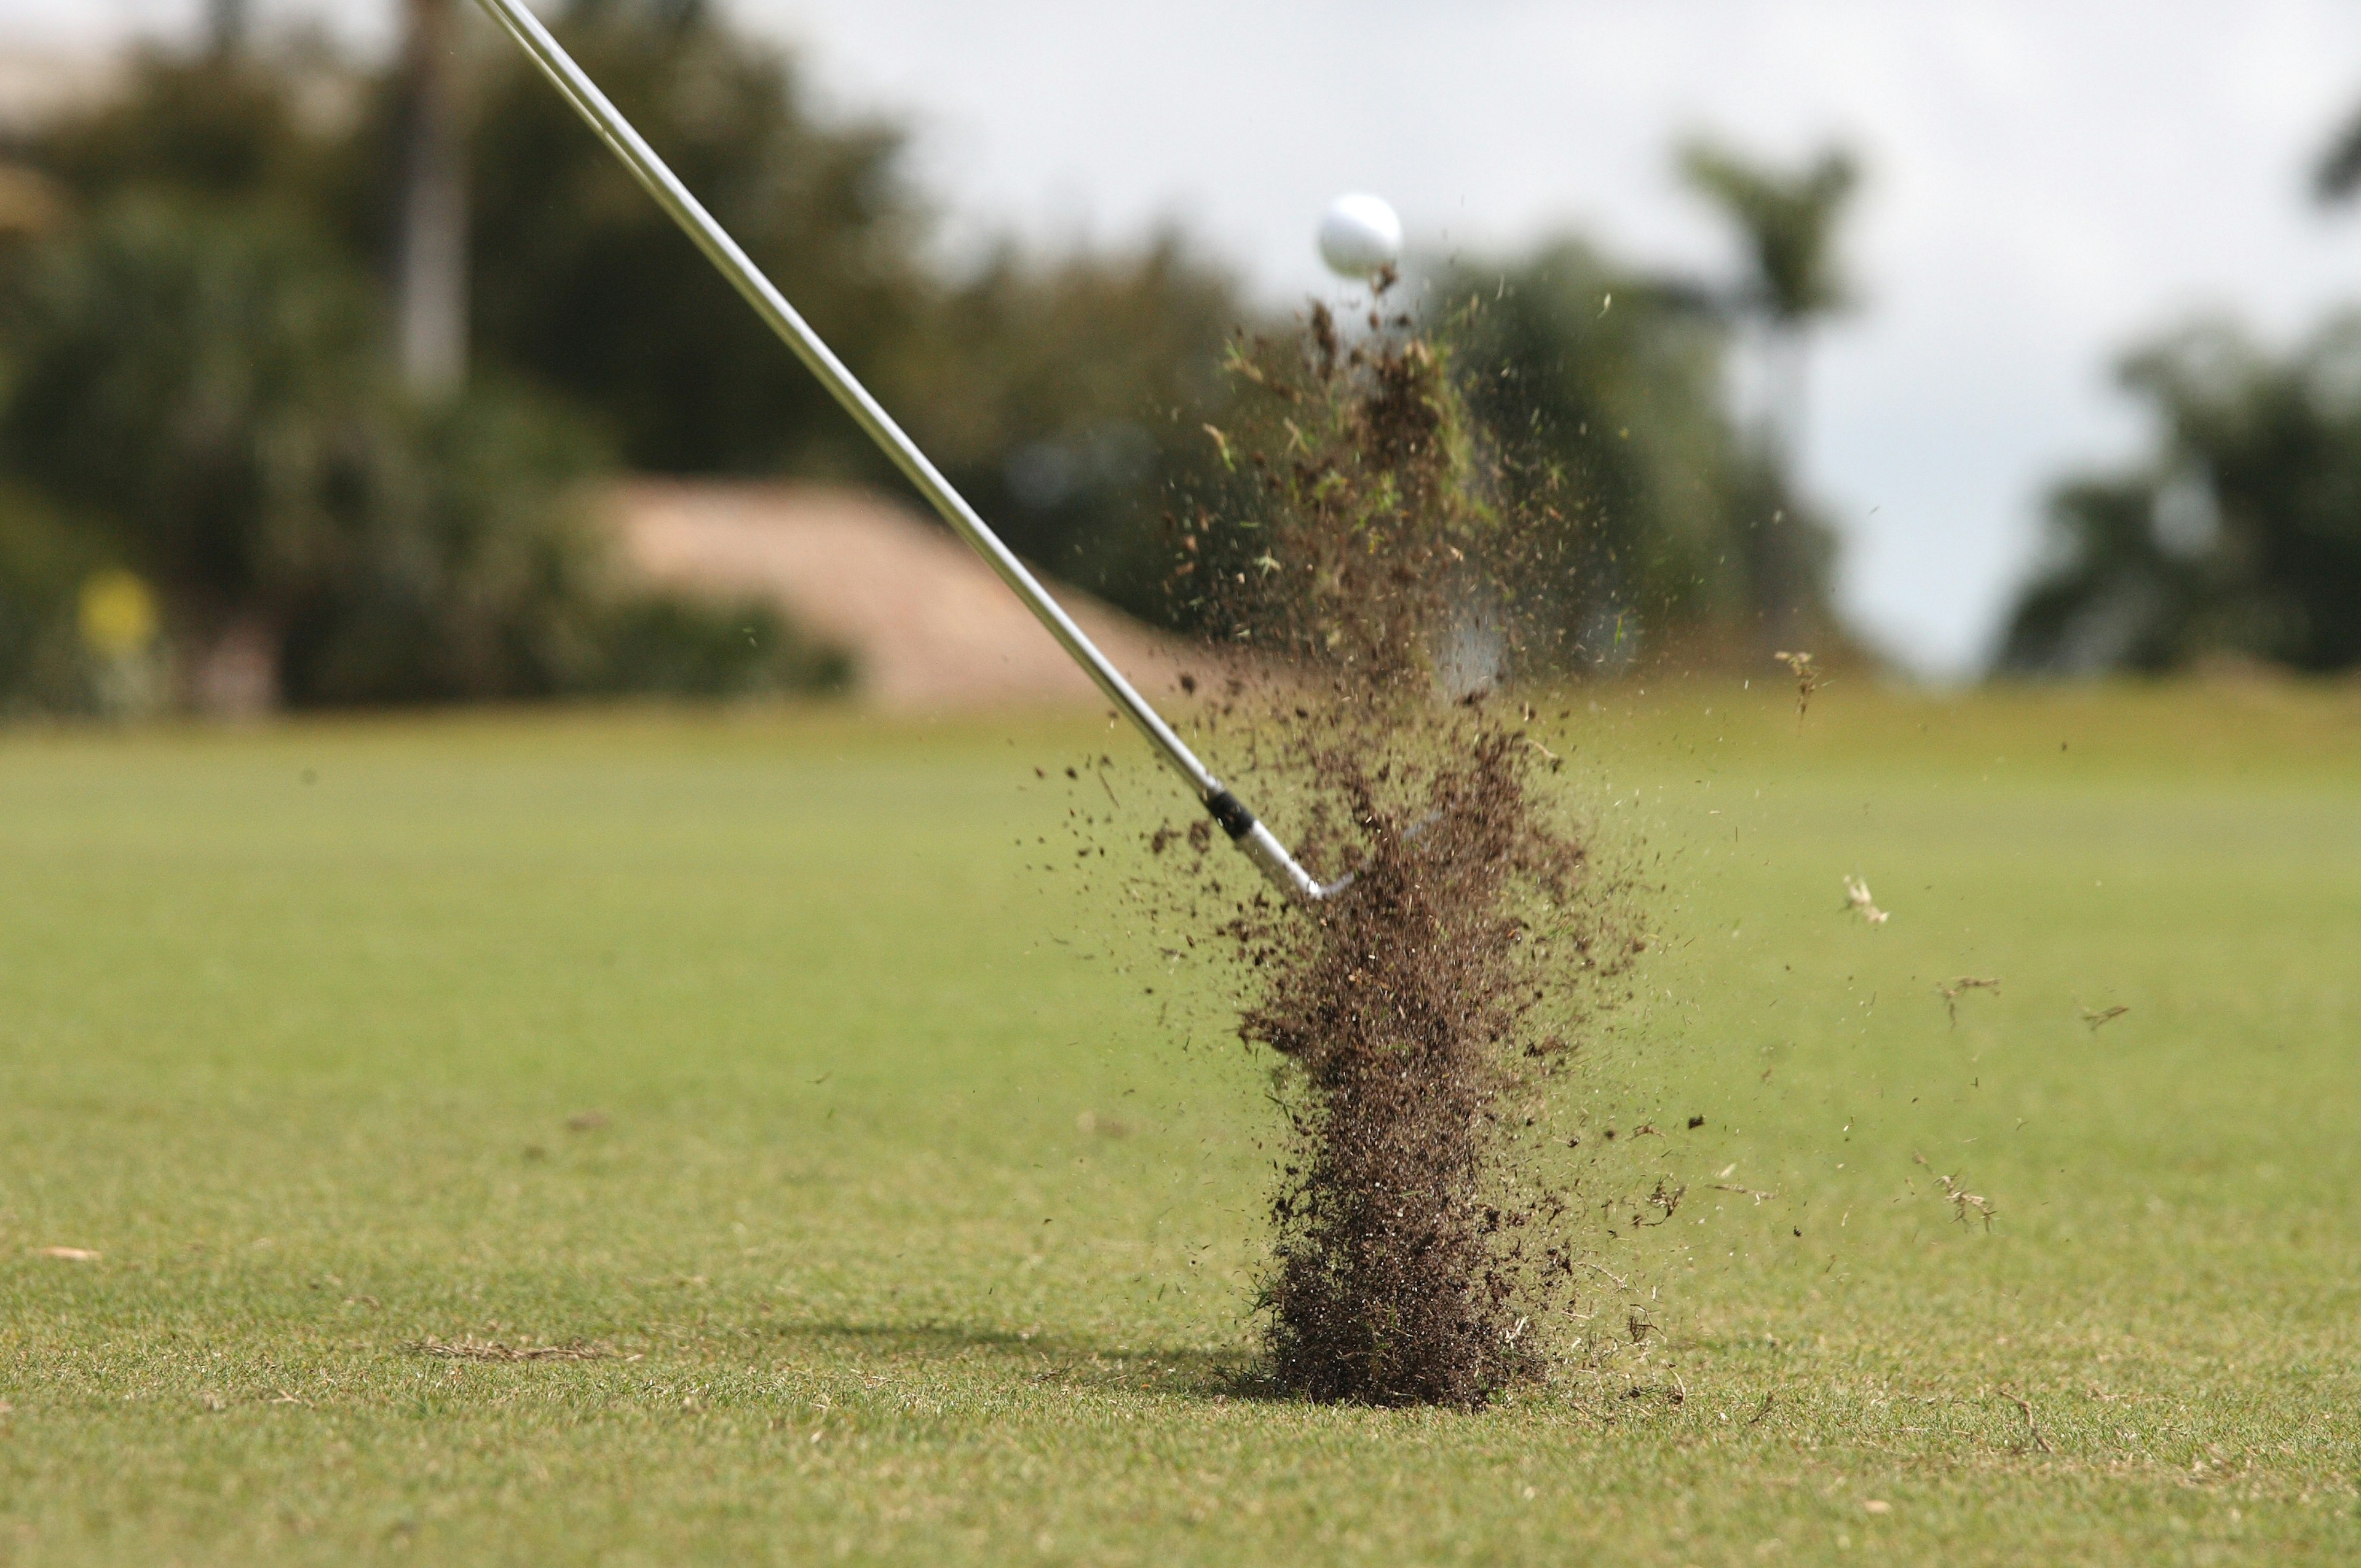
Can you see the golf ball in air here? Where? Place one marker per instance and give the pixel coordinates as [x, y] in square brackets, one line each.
[1359, 236]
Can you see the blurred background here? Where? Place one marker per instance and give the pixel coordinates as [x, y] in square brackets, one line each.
[340, 366]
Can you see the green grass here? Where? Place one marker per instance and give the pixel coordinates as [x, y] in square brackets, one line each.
[292, 1022]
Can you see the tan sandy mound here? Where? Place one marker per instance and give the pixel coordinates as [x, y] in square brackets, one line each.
[928, 624]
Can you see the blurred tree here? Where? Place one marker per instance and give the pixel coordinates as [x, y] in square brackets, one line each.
[1789, 222]
[2239, 533]
[1066, 393]
[290, 489]
[219, 129]
[201, 368]
[1048, 385]
[212, 381]
[43, 563]
[198, 372]
[1605, 388]
[225, 28]
[585, 285]
[430, 252]
[2337, 175]
[254, 232]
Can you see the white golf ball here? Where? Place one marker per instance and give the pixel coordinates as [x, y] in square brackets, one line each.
[1359, 235]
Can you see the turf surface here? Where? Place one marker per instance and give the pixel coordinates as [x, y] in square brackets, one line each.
[756, 1061]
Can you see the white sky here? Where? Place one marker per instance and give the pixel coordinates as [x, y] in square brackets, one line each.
[2049, 182]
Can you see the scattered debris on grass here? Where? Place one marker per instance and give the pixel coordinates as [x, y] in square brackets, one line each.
[1759, 1195]
[469, 1348]
[1963, 1201]
[1664, 1200]
[2097, 1016]
[1952, 992]
[1857, 898]
[68, 1254]
[2031, 1427]
[1808, 679]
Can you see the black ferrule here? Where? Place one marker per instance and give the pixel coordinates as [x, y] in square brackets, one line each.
[1231, 813]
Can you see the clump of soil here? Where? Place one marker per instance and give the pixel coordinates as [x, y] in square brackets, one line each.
[1402, 1271]
[1419, 1018]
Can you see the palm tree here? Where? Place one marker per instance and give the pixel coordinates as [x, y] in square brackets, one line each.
[1789, 222]
[2337, 175]
[225, 27]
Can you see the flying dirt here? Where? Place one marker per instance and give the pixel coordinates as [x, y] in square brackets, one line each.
[1362, 550]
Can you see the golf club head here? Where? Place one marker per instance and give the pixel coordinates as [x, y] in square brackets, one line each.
[1261, 846]
[1285, 872]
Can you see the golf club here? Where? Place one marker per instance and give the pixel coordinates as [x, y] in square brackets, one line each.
[575, 86]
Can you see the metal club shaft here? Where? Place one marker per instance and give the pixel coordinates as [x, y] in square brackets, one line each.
[574, 85]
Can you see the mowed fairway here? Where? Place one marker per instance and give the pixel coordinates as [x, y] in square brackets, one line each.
[753, 1050]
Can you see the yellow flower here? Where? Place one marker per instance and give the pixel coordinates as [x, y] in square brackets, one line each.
[118, 614]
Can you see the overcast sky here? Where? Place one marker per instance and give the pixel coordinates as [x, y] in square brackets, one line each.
[2049, 182]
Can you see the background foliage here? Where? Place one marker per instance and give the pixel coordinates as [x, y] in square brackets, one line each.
[197, 381]
[1604, 389]
[2239, 533]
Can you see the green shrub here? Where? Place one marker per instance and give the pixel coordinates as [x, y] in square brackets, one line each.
[43, 564]
[669, 646]
[210, 379]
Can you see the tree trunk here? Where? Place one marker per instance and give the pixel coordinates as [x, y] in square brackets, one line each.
[430, 267]
[225, 28]
[1782, 557]
[1787, 425]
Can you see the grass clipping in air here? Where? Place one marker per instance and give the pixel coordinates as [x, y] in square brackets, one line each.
[1421, 1016]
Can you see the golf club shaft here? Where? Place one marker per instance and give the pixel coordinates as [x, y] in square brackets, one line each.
[577, 89]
